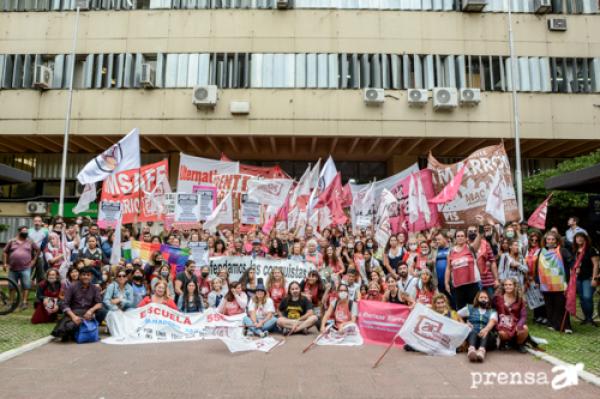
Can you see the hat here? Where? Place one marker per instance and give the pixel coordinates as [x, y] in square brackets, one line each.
[256, 241]
[260, 286]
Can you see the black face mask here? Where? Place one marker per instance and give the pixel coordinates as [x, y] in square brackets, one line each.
[483, 304]
[138, 278]
[23, 234]
[204, 275]
[472, 236]
[128, 271]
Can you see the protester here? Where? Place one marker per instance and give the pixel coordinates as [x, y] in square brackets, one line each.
[442, 306]
[573, 229]
[332, 261]
[216, 295]
[342, 311]
[426, 289]
[47, 298]
[276, 286]
[53, 253]
[406, 282]
[94, 258]
[586, 267]
[71, 277]
[482, 319]
[190, 300]
[164, 274]
[512, 264]
[139, 287]
[235, 301]
[249, 282]
[20, 256]
[533, 252]
[312, 289]
[119, 294]
[295, 312]
[158, 297]
[39, 235]
[512, 315]
[261, 313]
[392, 256]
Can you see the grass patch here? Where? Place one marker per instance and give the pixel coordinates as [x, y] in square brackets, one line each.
[16, 328]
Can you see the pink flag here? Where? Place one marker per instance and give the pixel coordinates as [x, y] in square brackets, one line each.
[538, 217]
[571, 305]
[451, 189]
[346, 196]
[334, 189]
[380, 322]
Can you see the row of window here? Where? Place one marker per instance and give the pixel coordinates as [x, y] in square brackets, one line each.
[306, 70]
[525, 6]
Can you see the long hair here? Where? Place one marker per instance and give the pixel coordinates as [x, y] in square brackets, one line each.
[289, 291]
[245, 279]
[330, 260]
[387, 245]
[518, 289]
[258, 301]
[476, 302]
[553, 234]
[429, 286]
[271, 279]
[319, 283]
[217, 242]
[276, 250]
[195, 296]
[586, 244]
[230, 297]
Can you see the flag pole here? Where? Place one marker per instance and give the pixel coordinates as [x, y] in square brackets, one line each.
[63, 167]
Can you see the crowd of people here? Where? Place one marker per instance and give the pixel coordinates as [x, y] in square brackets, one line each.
[485, 275]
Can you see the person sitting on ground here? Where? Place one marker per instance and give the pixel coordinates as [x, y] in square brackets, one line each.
[190, 301]
[119, 294]
[276, 286]
[216, 295]
[312, 289]
[482, 319]
[82, 301]
[235, 301]
[164, 273]
[72, 277]
[159, 297]
[442, 306]
[139, 286]
[261, 313]
[512, 315]
[295, 312]
[47, 297]
[342, 311]
[426, 288]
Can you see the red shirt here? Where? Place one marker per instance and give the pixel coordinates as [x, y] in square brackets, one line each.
[277, 294]
[232, 308]
[424, 297]
[463, 267]
[342, 313]
[169, 302]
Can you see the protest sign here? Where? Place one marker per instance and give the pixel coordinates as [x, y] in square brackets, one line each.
[109, 214]
[243, 344]
[347, 336]
[379, 322]
[475, 187]
[250, 212]
[195, 171]
[187, 208]
[198, 252]
[293, 270]
[158, 323]
[425, 214]
[207, 195]
[235, 183]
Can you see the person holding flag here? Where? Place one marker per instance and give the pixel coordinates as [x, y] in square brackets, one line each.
[587, 273]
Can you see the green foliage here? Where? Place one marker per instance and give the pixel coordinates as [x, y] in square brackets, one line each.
[534, 192]
[3, 227]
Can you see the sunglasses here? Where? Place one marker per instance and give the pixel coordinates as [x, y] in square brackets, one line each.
[121, 275]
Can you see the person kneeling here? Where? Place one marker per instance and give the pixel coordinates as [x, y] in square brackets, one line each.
[295, 312]
[512, 315]
[260, 319]
[482, 319]
[82, 301]
[341, 312]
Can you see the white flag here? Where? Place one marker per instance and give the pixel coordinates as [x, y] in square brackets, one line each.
[495, 202]
[86, 198]
[223, 214]
[303, 186]
[362, 207]
[123, 155]
[115, 254]
[432, 333]
[383, 229]
[423, 203]
[325, 178]
[413, 201]
[271, 192]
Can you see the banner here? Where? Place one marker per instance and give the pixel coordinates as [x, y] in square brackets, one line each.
[198, 252]
[272, 192]
[109, 214]
[187, 208]
[383, 229]
[475, 186]
[293, 270]
[235, 183]
[195, 171]
[243, 344]
[158, 323]
[423, 191]
[222, 214]
[388, 182]
[269, 172]
[363, 207]
[379, 322]
[250, 212]
[129, 188]
[207, 195]
[430, 332]
[348, 336]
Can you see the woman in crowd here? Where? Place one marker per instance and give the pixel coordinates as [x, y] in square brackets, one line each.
[216, 295]
[46, 299]
[139, 286]
[276, 250]
[312, 289]
[373, 292]
[371, 264]
[512, 315]
[482, 319]
[237, 247]
[219, 249]
[504, 247]
[553, 270]
[276, 286]
[295, 312]
[392, 256]
[249, 282]
[164, 273]
[342, 311]
[379, 279]
[586, 268]
[235, 301]
[394, 295]
[410, 256]
[261, 313]
[223, 274]
[312, 254]
[424, 260]
[512, 264]
[190, 301]
[72, 276]
[296, 252]
[462, 269]
[92, 256]
[359, 252]
[331, 260]
[204, 284]
[53, 252]
[118, 294]
[442, 306]
[159, 297]
[426, 288]
[533, 253]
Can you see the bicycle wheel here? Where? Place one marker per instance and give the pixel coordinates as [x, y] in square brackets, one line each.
[6, 305]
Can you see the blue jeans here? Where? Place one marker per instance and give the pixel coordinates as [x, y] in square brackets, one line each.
[24, 276]
[586, 294]
[268, 326]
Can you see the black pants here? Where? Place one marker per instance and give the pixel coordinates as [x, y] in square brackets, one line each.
[465, 294]
[556, 309]
[540, 311]
[65, 328]
[488, 342]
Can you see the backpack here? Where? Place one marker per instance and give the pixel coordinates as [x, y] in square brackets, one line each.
[87, 332]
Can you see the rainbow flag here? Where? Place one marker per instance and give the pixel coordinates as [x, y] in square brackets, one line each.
[139, 249]
[176, 257]
[551, 271]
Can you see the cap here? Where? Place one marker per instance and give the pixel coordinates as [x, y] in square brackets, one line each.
[260, 286]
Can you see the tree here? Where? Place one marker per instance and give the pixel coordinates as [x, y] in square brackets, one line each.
[534, 191]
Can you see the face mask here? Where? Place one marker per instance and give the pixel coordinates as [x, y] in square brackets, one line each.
[488, 236]
[424, 251]
[483, 304]
[369, 246]
[551, 246]
[412, 247]
[343, 295]
[52, 280]
[104, 277]
[164, 274]
[472, 236]
[510, 234]
[204, 275]
[23, 234]
[128, 271]
[138, 278]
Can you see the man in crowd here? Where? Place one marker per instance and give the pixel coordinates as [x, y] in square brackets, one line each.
[573, 229]
[39, 235]
[20, 256]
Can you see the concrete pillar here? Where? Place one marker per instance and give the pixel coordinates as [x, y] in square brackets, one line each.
[173, 169]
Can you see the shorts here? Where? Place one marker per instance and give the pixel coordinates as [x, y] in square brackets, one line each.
[24, 276]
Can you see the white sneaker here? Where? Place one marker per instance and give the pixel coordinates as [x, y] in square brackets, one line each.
[263, 334]
[568, 331]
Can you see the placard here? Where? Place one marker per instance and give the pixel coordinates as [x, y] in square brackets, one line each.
[207, 195]
[109, 214]
[187, 208]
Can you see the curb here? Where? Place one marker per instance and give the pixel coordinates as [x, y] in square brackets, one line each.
[584, 375]
[24, 348]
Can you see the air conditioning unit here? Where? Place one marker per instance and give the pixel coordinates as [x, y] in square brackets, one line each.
[239, 107]
[542, 6]
[445, 98]
[469, 96]
[83, 5]
[283, 4]
[557, 24]
[373, 96]
[474, 5]
[36, 207]
[204, 96]
[417, 97]
[42, 77]
[148, 76]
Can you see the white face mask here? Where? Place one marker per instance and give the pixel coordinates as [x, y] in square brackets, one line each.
[412, 247]
[343, 295]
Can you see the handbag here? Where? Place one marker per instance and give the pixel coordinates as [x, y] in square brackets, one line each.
[87, 332]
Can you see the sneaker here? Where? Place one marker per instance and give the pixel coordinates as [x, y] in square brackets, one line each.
[285, 331]
[568, 331]
[551, 328]
[544, 321]
[472, 354]
[539, 320]
[24, 306]
[521, 349]
[262, 334]
[480, 355]
[249, 333]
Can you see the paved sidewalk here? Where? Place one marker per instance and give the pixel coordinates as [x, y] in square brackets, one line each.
[206, 369]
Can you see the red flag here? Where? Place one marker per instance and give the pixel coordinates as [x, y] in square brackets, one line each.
[449, 192]
[281, 214]
[571, 305]
[337, 212]
[538, 217]
[346, 196]
[333, 190]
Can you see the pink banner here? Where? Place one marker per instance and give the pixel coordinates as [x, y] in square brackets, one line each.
[399, 218]
[380, 321]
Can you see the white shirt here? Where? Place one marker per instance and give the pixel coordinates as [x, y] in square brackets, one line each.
[409, 286]
[261, 310]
